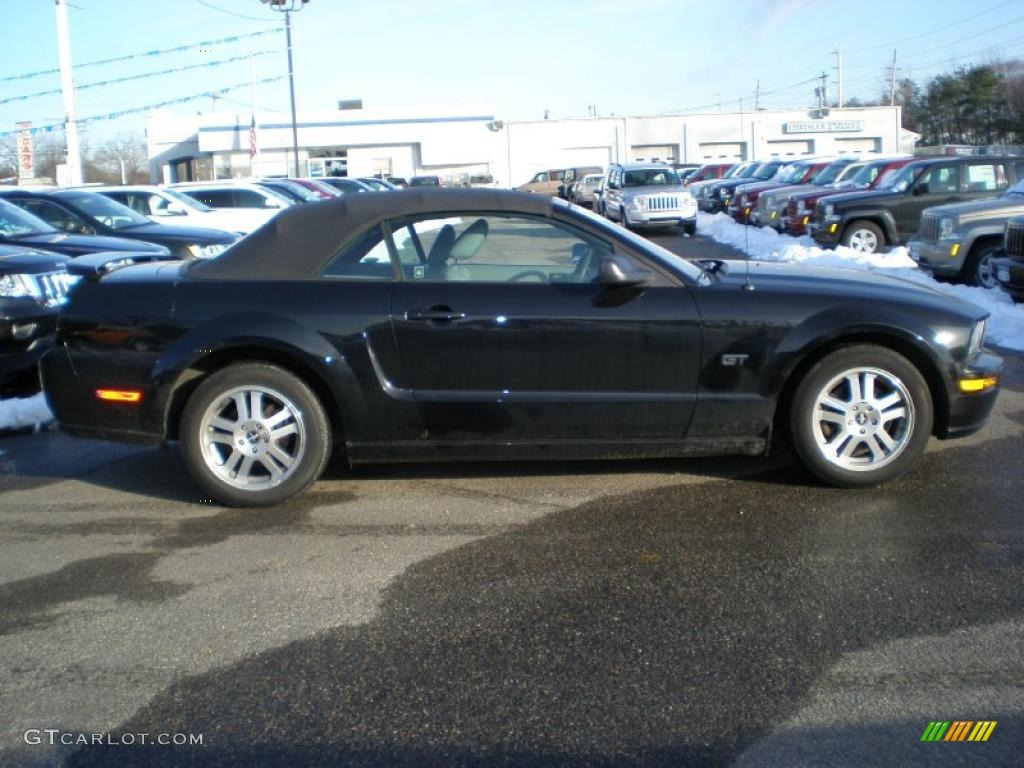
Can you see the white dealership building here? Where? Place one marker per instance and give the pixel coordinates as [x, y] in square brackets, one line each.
[460, 145]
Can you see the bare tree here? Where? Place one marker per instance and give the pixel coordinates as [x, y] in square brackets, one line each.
[121, 159]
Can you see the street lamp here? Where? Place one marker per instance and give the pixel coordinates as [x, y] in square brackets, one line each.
[287, 7]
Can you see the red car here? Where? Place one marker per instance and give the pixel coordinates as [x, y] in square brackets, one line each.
[708, 172]
[745, 199]
[801, 207]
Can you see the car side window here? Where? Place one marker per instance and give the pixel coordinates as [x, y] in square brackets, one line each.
[540, 177]
[246, 198]
[986, 177]
[496, 248]
[58, 216]
[365, 258]
[943, 179]
[215, 198]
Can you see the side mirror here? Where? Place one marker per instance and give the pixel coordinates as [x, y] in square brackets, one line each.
[175, 209]
[620, 271]
[921, 189]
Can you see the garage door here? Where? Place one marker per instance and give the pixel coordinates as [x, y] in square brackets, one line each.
[789, 148]
[862, 146]
[720, 150]
[648, 153]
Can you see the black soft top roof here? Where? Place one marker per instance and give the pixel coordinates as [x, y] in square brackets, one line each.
[297, 242]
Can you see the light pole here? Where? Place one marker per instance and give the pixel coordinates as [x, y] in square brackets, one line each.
[287, 7]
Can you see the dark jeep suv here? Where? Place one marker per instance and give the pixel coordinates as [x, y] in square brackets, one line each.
[888, 215]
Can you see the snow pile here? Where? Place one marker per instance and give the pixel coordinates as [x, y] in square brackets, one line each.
[1005, 326]
[24, 412]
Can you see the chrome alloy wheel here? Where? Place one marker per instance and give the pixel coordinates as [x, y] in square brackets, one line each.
[863, 419]
[863, 241]
[252, 437]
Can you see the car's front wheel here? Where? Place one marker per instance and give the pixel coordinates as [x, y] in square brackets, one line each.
[862, 415]
[980, 267]
[864, 237]
[254, 435]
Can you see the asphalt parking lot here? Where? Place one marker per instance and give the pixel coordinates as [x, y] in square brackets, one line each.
[702, 612]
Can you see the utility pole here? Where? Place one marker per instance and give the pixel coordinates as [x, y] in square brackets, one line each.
[823, 92]
[67, 88]
[757, 96]
[839, 76]
[892, 81]
[288, 7]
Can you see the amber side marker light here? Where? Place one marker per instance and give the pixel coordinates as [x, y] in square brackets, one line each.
[978, 385]
[119, 395]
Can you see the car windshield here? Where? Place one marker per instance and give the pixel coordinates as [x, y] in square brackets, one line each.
[671, 260]
[791, 174]
[750, 170]
[14, 222]
[185, 200]
[830, 173]
[376, 184]
[291, 188]
[650, 177]
[104, 210]
[592, 179]
[866, 174]
[766, 171]
[899, 180]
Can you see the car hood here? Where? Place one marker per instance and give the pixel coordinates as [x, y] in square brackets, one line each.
[852, 284]
[656, 189]
[23, 261]
[868, 196]
[998, 207]
[756, 187]
[180, 233]
[76, 245]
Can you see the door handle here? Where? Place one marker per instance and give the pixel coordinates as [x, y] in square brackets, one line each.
[436, 314]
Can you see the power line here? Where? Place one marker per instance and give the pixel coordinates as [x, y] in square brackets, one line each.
[142, 76]
[148, 107]
[933, 31]
[232, 13]
[158, 52]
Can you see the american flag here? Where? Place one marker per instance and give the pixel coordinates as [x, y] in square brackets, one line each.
[253, 146]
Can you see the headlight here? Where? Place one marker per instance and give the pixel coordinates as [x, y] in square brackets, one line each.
[830, 210]
[744, 200]
[15, 286]
[801, 207]
[977, 339]
[945, 227]
[206, 251]
[635, 202]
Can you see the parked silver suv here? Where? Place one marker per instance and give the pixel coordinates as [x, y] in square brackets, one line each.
[642, 194]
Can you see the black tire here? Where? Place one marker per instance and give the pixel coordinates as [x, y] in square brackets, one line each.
[306, 414]
[859, 233]
[690, 228]
[819, 442]
[978, 268]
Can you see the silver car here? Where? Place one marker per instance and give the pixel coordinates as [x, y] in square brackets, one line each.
[583, 190]
[643, 194]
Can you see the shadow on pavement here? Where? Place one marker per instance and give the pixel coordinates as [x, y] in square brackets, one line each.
[664, 627]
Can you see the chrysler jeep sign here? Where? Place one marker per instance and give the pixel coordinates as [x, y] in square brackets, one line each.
[825, 126]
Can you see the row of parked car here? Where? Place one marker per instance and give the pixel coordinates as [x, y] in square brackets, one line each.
[951, 212]
[42, 229]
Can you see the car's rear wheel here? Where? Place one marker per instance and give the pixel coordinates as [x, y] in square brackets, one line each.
[254, 435]
[862, 415]
[980, 267]
[864, 237]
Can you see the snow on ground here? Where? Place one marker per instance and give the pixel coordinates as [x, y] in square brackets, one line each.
[1005, 326]
[19, 412]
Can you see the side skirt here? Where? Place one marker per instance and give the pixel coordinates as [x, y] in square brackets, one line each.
[470, 450]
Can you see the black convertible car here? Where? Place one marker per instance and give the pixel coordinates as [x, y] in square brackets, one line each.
[480, 324]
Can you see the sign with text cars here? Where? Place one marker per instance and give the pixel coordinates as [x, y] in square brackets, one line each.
[25, 169]
[825, 126]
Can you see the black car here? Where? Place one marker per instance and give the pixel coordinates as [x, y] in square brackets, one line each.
[717, 195]
[33, 287]
[486, 324]
[18, 227]
[425, 181]
[1009, 266]
[294, 192]
[80, 212]
[346, 186]
[869, 220]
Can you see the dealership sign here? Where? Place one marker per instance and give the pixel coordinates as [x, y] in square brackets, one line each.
[825, 126]
[25, 170]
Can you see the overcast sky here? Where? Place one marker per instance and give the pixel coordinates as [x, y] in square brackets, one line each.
[516, 59]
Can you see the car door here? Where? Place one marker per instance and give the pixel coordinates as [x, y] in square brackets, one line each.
[506, 334]
[937, 185]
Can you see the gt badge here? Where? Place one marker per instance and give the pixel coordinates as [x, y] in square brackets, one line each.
[733, 360]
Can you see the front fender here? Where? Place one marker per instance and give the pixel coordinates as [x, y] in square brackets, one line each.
[881, 216]
[262, 335]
